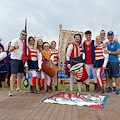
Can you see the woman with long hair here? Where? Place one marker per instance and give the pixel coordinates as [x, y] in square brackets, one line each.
[32, 63]
[40, 48]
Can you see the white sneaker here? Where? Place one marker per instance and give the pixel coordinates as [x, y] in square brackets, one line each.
[10, 93]
[79, 90]
[71, 91]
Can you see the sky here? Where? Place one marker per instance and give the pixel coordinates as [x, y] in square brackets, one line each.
[44, 16]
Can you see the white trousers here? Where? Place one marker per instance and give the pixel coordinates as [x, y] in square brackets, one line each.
[46, 77]
[88, 69]
[39, 74]
[72, 82]
[55, 78]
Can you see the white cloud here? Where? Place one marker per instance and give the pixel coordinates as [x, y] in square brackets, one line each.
[44, 17]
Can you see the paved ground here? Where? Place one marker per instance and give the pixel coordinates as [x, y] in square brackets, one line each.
[25, 106]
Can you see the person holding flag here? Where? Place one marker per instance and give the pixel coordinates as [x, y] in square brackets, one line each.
[32, 63]
[16, 50]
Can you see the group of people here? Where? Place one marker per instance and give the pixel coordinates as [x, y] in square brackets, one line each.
[36, 59]
[100, 54]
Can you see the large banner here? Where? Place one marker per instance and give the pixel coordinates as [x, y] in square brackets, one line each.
[65, 38]
[66, 98]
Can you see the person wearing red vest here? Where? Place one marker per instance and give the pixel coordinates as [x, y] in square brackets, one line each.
[32, 53]
[55, 53]
[74, 51]
[43, 57]
[89, 47]
[100, 62]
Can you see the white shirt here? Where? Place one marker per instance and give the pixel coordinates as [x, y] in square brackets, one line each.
[17, 53]
[55, 53]
[105, 56]
[69, 51]
[40, 60]
[3, 55]
[4, 45]
[106, 40]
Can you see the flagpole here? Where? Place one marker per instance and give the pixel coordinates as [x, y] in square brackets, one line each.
[26, 82]
[26, 39]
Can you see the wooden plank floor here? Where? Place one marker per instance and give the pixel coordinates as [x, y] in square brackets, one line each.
[25, 106]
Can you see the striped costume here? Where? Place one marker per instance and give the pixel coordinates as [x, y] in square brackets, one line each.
[33, 63]
[100, 61]
[55, 53]
[32, 58]
[74, 53]
[55, 61]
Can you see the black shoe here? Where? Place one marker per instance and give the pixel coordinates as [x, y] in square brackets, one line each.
[35, 90]
[98, 89]
[95, 86]
[117, 92]
[87, 87]
[31, 89]
[109, 90]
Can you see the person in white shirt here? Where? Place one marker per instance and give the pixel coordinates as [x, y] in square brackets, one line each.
[43, 57]
[100, 62]
[40, 48]
[32, 63]
[74, 56]
[104, 40]
[16, 50]
[55, 53]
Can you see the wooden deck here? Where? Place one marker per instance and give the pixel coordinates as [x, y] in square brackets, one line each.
[25, 106]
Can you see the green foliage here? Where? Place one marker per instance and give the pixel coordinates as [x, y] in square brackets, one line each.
[61, 87]
[50, 46]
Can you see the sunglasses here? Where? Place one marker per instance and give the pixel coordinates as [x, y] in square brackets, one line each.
[102, 33]
[24, 35]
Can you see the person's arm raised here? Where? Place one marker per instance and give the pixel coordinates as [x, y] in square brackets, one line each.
[12, 48]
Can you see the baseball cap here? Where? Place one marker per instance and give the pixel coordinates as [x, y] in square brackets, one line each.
[110, 33]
